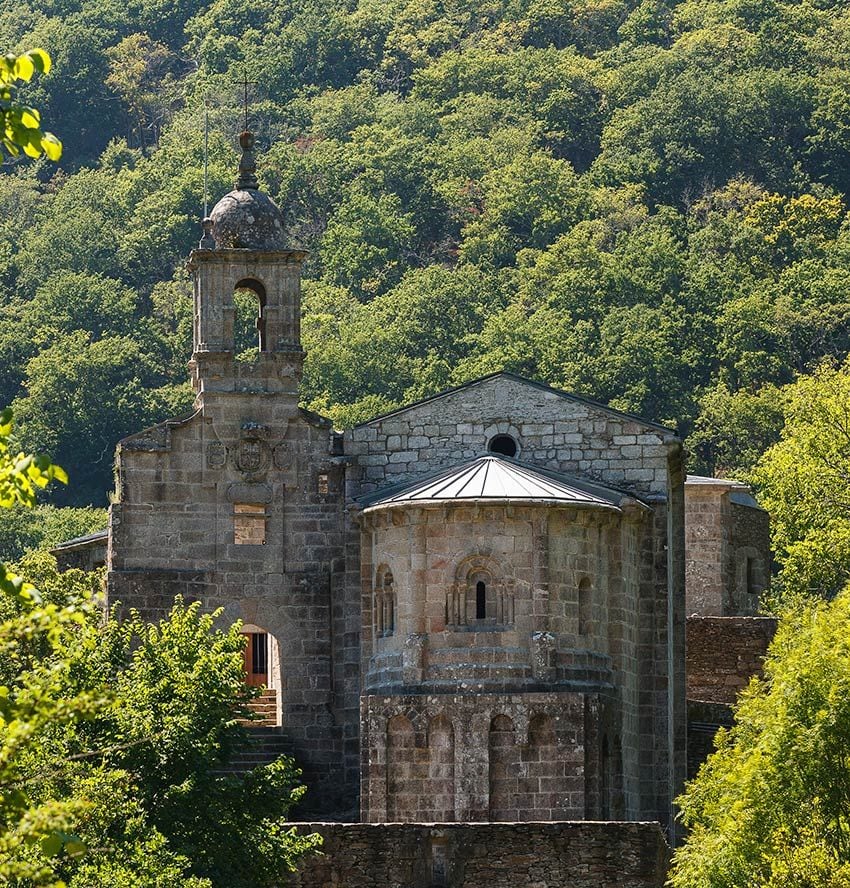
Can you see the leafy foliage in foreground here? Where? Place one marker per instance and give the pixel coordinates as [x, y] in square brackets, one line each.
[770, 807]
[123, 771]
[803, 483]
[20, 125]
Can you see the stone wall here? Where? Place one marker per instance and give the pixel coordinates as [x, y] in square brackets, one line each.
[173, 532]
[567, 434]
[727, 548]
[561, 587]
[723, 653]
[84, 553]
[476, 757]
[504, 855]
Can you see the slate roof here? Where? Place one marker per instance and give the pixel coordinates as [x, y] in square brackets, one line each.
[90, 539]
[494, 478]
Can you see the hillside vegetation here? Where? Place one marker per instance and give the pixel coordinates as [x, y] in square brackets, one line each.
[643, 202]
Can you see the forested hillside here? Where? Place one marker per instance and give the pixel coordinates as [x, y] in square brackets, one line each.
[643, 202]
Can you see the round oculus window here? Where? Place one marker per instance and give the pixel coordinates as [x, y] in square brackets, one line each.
[504, 445]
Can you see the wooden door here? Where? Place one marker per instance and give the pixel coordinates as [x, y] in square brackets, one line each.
[257, 659]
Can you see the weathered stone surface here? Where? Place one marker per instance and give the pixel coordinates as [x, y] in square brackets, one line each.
[727, 541]
[247, 220]
[724, 653]
[496, 855]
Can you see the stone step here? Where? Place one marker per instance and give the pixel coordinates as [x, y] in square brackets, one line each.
[263, 710]
[263, 745]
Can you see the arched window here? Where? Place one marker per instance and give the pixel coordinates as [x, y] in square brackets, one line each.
[249, 325]
[503, 444]
[480, 596]
[585, 607]
[384, 602]
[480, 603]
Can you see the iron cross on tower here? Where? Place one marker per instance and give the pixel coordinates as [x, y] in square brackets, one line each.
[245, 84]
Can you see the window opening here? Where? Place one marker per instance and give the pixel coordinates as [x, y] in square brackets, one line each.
[249, 323]
[752, 582]
[480, 600]
[503, 444]
[249, 524]
[385, 604]
[323, 484]
[585, 607]
[259, 653]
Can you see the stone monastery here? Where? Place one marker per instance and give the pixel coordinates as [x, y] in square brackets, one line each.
[471, 614]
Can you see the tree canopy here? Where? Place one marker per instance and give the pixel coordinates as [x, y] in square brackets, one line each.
[803, 482]
[641, 201]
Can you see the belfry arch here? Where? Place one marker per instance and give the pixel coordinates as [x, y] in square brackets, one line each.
[249, 305]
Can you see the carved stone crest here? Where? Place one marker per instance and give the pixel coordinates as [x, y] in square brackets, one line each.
[250, 457]
[253, 454]
[283, 455]
[216, 455]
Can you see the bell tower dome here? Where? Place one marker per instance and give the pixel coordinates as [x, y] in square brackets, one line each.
[243, 249]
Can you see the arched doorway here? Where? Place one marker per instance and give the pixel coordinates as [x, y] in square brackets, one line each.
[262, 670]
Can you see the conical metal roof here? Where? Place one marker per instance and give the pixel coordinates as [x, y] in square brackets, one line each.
[497, 478]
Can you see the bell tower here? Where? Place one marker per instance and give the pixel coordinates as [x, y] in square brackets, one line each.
[243, 249]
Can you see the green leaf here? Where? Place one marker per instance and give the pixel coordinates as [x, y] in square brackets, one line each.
[75, 847]
[52, 147]
[24, 67]
[41, 60]
[51, 845]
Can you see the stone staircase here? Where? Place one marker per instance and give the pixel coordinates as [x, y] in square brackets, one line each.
[264, 745]
[263, 710]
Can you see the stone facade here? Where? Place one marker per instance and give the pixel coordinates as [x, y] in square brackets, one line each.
[727, 570]
[496, 855]
[183, 491]
[727, 540]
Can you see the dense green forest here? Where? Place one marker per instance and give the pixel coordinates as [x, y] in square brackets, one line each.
[643, 202]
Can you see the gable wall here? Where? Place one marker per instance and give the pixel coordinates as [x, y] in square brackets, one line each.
[553, 431]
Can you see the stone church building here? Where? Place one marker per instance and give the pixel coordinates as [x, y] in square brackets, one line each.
[472, 609]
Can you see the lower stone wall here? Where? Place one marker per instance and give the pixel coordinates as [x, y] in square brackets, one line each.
[491, 855]
[482, 757]
[723, 653]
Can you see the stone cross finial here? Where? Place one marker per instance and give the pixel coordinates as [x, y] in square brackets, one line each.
[247, 180]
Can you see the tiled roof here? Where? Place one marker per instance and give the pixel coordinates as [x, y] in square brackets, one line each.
[497, 478]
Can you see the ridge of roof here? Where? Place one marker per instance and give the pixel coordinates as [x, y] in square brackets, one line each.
[494, 477]
[95, 537]
[525, 380]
